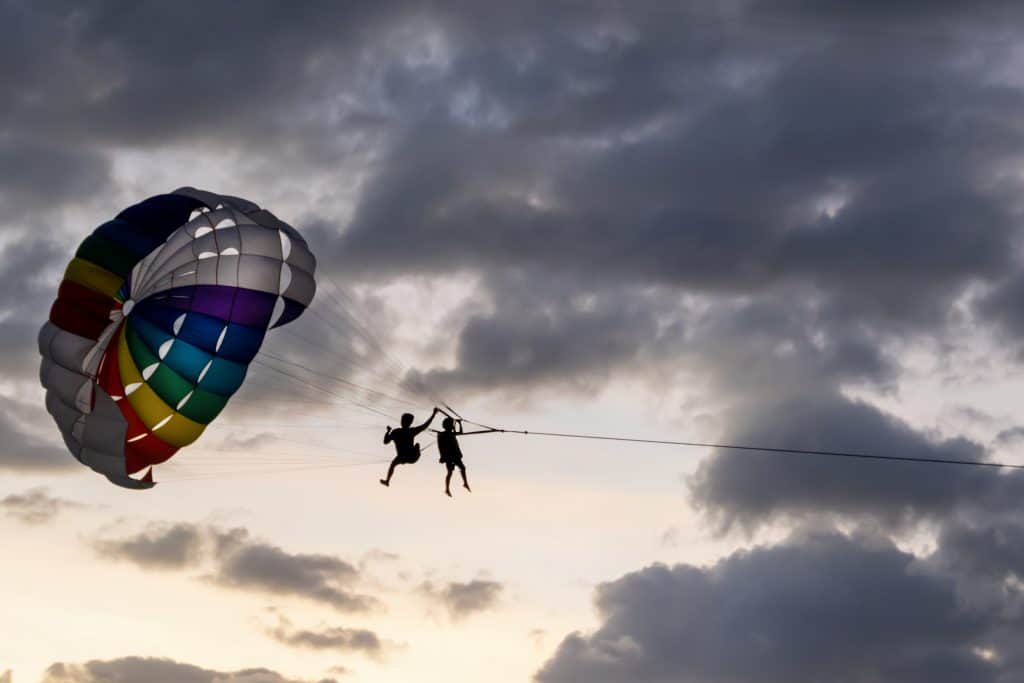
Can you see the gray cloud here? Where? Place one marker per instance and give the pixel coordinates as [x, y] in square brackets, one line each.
[586, 144]
[987, 548]
[329, 638]
[160, 546]
[22, 450]
[533, 338]
[753, 488]
[1009, 437]
[115, 78]
[35, 506]
[239, 561]
[254, 565]
[40, 175]
[30, 272]
[608, 156]
[462, 600]
[156, 670]
[821, 606]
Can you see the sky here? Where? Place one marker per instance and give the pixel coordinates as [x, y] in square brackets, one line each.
[787, 224]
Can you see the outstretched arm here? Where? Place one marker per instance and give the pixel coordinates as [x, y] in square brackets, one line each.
[417, 430]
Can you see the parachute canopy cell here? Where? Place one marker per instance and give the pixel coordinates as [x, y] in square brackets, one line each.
[158, 316]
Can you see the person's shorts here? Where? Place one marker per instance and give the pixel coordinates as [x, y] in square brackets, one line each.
[409, 458]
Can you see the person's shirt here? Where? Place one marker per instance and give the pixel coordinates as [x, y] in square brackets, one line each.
[403, 438]
[448, 446]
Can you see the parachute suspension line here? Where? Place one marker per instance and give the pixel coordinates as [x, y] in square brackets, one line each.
[390, 369]
[330, 392]
[762, 449]
[345, 309]
[298, 468]
[366, 335]
[347, 359]
[346, 382]
[372, 339]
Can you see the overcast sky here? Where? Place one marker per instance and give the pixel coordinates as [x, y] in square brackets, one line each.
[791, 224]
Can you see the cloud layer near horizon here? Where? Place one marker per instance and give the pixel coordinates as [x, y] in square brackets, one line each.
[158, 670]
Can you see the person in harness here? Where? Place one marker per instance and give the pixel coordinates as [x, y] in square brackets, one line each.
[451, 454]
[407, 451]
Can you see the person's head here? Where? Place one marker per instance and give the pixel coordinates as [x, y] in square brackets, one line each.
[406, 419]
[448, 424]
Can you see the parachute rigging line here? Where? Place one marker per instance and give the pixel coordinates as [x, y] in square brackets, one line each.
[764, 449]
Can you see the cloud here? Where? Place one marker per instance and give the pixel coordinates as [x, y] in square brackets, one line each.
[1009, 437]
[987, 548]
[238, 561]
[254, 565]
[41, 174]
[21, 449]
[462, 600]
[820, 606]
[608, 158]
[31, 266]
[753, 488]
[329, 638]
[529, 340]
[36, 506]
[160, 546]
[156, 670]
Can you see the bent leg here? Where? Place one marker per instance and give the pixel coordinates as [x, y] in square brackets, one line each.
[391, 470]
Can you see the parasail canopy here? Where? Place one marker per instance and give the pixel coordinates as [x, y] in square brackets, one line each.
[157, 318]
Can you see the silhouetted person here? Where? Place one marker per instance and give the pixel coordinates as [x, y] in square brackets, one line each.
[451, 454]
[406, 450]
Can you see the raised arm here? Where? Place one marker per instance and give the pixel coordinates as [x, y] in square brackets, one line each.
[417, 430]
[387, 435]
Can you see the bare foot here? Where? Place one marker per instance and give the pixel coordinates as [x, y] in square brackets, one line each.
[385, 482]
[466, 486]
[448, 493]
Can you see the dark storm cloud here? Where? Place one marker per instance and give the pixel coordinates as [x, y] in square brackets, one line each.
[35, 506]
[30, 272]
[152, 74]
[854, 177]
[1002, 305]
[540, 338]
[986, 548]
[157, 670]
[42, 175]
[161, 546]
[329, 638]
[896, 144]
[465, 599]
[820, 606]
[753, 488]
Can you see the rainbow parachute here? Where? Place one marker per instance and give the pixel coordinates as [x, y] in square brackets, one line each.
[156, 321]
